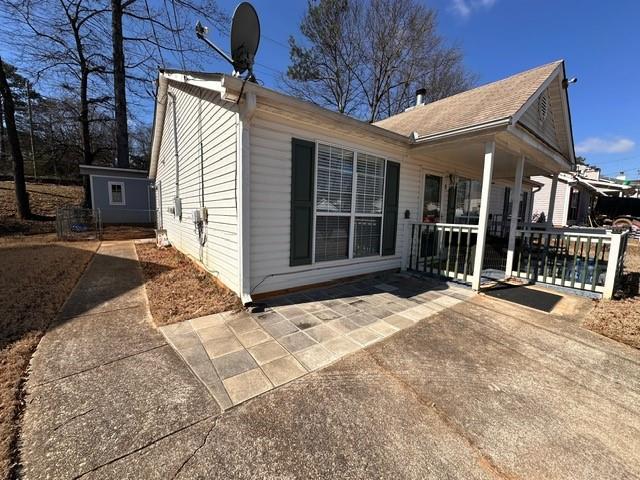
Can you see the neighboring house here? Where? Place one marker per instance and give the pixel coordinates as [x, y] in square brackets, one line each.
[576, 193]
[270, 192]
[122, 195]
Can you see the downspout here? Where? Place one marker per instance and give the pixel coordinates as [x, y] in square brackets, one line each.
[246, 111]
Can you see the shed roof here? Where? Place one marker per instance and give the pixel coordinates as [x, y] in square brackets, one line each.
[488, 103]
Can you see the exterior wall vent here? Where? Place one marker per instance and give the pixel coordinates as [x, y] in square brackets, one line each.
[543, 107]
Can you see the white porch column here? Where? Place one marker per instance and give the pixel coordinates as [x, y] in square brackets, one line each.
[552, 199]
[487, 174]
[529, 209]
[515, 208]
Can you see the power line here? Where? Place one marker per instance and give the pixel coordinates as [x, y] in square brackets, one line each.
[175, 17]
[153, 28]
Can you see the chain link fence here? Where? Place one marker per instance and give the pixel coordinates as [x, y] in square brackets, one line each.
[74, 223]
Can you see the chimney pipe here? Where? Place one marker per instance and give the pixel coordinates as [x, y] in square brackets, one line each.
[420, 94]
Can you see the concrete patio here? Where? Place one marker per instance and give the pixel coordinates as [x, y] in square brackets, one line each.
[238, 356]
[483, 389]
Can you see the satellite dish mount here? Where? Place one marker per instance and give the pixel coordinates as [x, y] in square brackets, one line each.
[245, 39]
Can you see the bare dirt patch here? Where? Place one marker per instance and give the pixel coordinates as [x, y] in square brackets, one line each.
[179, 289]
[127, 232]
[619, 318]
[44, 200]
[38, 274]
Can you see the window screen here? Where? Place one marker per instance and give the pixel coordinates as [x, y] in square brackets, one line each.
[369, 184]
[367, 236]
[335, 179]
[332, 238]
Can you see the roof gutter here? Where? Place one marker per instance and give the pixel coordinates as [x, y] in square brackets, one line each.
[479, 128]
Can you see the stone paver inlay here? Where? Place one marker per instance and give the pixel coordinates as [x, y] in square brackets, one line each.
[239, 355]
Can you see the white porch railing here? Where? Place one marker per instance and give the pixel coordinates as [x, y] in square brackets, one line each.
[444, 249]
[585, 259]
[578, 258]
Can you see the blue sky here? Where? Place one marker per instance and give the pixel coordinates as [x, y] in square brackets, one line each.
[600, 42]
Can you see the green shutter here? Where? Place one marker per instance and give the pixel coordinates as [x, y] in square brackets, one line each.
[302, 176]
[390, 220]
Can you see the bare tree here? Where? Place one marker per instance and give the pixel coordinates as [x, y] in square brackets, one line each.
[324, 72]
[381, 49]
[22, 198]
[146, 36]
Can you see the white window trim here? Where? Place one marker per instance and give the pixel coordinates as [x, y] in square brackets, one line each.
[124, 200]
[352, 214]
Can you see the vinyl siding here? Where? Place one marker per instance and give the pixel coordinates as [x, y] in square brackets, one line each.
[541, 200]
[218, 134]
[546, 129]
[271, 196]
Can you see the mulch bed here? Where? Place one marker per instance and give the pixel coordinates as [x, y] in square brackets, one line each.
[38, 275]
[179, 289]
[619, 319]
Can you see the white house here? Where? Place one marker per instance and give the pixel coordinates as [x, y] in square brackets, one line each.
[270, 192]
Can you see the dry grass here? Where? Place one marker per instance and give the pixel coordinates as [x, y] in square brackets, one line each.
[179, 289]
[37, 276]
[619, 319]
[44, 200]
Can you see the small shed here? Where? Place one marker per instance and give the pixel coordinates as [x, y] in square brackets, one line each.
[123, 195]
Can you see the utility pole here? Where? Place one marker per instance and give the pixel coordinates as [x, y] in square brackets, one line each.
[33, 150]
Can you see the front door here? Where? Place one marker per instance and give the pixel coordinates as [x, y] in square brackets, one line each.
[431, 203]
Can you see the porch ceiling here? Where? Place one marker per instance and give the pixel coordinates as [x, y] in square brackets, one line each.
[465, 157]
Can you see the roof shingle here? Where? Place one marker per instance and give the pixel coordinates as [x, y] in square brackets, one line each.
[493, 101]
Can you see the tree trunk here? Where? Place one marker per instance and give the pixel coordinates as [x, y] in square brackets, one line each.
[3, 150]
[119, 85]
[22, 198]
[33, 149]
[85, 134]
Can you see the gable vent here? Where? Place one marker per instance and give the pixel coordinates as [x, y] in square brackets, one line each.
[543, 107]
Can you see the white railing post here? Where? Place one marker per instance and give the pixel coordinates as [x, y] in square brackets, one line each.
[612, 266]
[515, 208]
[487, 174]
[552, 199]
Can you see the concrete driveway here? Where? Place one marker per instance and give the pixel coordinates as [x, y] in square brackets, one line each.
[483, 389]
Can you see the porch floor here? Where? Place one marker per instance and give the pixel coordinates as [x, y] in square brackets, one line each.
[238, 356]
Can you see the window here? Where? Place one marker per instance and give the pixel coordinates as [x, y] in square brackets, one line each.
[335, 179]
[332, 238]
[369, 184]
[367, 236]
[116, 193]
[464, 202]
[349, 204]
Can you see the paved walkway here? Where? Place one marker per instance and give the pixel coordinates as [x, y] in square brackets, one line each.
[103, 381]
[238, 356]
[480, 390]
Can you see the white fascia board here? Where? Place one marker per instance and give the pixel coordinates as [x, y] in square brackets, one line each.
[158, 123]
[533, 142]
[552, 76]
[472, 129]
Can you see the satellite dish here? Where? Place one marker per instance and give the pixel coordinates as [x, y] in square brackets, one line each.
[245, 39]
